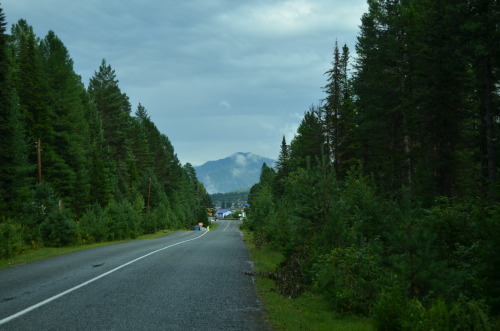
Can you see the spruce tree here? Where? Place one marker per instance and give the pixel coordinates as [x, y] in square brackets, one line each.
[442, 92]
[338, 113]
[308, 145]
[114, 108]
[381, 84]
[282, 169]
[482, 32]
[98, 164]
[70, 128]
[14, 168]
[140, 144]
[332, 109]
[31, 86]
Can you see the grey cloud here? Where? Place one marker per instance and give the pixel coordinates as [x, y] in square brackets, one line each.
[216, 76]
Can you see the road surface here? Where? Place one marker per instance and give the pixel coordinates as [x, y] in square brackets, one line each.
[188, 280]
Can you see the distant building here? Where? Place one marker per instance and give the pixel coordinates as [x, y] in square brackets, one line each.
[221, 214]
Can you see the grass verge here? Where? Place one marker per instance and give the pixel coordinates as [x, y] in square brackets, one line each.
[36, 254]
[308, 312]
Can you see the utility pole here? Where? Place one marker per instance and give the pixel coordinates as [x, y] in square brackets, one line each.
[149, 192]
[39, 153]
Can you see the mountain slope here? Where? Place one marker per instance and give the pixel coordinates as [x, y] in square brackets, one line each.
[240, 170]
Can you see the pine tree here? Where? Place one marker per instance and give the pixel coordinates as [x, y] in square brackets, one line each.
[308, 145]
[282, 169]
[348, 139]
[13, 149]
[332, 109]
[381, 84]
[481, 30]
[338, 113]
[31, 85]
[411, 96]
[70, 129]
[101, 178]
[442, 92]
[114, 107]
[140, 143]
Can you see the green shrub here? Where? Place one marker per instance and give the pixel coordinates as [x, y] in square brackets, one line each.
[94, 225]
[58, 229]
[413, 316]
[349, 277]
[276, 230]
[11, 238]
[43, 203]
[124, 222]
[469, 315]
[436, 318]
[149, 222]
[162, 217]
[394, 311]
[390, 309]
[363, 209]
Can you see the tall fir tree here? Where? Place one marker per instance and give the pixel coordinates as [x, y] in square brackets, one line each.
[140, 143]
[14, 167]
[332, 108]
[338, 113]
[66, 173]
[308, 145]
[114, 107]
[482, 37]
[380, 84]
[442, 90]
[31, 85]
[282, 169]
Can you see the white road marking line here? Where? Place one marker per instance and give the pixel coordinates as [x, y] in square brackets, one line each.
[57, 296]
[226, 225]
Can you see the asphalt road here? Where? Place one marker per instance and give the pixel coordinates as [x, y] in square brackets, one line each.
[188, 280]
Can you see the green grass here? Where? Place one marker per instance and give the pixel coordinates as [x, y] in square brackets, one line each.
[308, 312]
[33, 255]
[214, 226]
[41, 253]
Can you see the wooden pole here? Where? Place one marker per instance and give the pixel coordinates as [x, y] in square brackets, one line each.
[149, 192]
[39, 152]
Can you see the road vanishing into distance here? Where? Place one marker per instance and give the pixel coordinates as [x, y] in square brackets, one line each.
[188, 280]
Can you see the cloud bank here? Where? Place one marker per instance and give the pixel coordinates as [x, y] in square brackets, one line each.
[216, 76]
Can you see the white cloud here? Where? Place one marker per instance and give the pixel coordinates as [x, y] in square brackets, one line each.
[282, 19]
[209, 185]
[236, 172]
[225, 104]
[240, 160]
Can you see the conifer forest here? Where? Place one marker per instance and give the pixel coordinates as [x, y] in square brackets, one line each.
[386, 201]
[76, 166]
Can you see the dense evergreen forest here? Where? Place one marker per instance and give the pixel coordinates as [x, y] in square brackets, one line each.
[386, 201]
[234, 199]
[75, 165]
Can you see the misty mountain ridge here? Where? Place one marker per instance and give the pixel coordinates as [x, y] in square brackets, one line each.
[235, 172]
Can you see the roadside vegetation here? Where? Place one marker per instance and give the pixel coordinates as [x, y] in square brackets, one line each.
[76, 166]
[309, 312]
[33, 255]
[385, 205]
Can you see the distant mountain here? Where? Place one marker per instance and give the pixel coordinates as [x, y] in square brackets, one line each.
[240, 170]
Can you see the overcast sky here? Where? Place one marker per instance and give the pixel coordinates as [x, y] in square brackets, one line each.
[216, 76]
